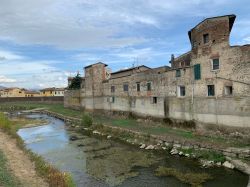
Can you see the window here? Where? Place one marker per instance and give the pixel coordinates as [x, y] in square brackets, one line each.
[138, 87]
[210, 90]
[178, 73]
[149, 86]
[228, 90]
[181, 91]
[154, 100]
[125, 87]
[112, 89]
[197, 71]
[215, 64]
[111, 99]
[205, 38]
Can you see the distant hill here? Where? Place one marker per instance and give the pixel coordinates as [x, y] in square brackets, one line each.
[2, 87]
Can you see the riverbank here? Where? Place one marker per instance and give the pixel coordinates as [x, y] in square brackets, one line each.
[154, 135]
[19, 163]
[28, 168]
[208, 154]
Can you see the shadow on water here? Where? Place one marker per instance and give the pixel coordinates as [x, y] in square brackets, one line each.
[100, 162]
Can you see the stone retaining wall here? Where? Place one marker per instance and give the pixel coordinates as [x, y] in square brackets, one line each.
[54, 99]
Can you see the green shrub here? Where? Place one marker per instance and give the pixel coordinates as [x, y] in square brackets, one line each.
[87, 120]
[211, 155]
[4, 122]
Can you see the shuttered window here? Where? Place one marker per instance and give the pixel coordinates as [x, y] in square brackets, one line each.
[197, 71]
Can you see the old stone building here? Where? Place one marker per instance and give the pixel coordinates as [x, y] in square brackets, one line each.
[209, 84]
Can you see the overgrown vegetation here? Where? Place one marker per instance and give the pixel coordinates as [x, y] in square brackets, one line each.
[206, 155]
[75, 83]
[194, 179]
[54, 176]
[6, 177]
[87, 120]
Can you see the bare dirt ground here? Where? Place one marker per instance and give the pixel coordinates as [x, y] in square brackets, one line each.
[19, 163]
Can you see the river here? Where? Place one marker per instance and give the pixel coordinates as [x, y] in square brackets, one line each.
[98, 162]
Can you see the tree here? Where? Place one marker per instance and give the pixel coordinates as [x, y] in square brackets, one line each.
[75, 83]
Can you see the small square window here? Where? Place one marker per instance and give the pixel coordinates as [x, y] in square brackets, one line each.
[125, 87]
[149, 86]
[205, 38]
[112, 89]
[138, 87]
[215, 64]
[210, 90]
[228, 90]
[178, 73]
[154, 100]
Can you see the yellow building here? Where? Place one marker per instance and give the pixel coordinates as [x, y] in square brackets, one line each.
[32, 94]
[49, 92]
[13, 92]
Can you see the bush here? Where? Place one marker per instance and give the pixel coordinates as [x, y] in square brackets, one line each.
[4, 122]
[87, 120]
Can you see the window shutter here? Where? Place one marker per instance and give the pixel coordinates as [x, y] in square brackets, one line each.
[197, 71]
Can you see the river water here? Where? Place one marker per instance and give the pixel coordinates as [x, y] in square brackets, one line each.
[95, 162]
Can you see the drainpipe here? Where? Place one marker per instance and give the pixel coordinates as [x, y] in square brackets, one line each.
[216, 99]
[192, 100]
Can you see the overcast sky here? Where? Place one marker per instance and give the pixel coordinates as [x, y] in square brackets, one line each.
[44, 41]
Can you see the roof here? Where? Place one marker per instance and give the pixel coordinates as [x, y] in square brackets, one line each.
[31, 92]
[52, 89]
[231, 22]
[130, 69]
[8, 89]
[95, 64]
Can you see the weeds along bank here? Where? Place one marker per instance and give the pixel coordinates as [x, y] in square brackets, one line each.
[51, 175]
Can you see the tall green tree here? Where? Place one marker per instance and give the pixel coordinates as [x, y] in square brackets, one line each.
[75, 83]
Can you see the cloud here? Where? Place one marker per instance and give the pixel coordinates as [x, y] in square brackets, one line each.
[7, 55]
[247, 39]
[4, 79]
[28, 73]
[76, 24]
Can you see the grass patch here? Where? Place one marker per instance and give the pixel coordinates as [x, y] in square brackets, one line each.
[206, 155]
[87, 120]
[58, 108]
[53, 175]
[194, 179]
[6, 177]
[211, 155]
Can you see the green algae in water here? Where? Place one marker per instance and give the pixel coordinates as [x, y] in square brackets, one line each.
[195, 179]
[116, 164]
